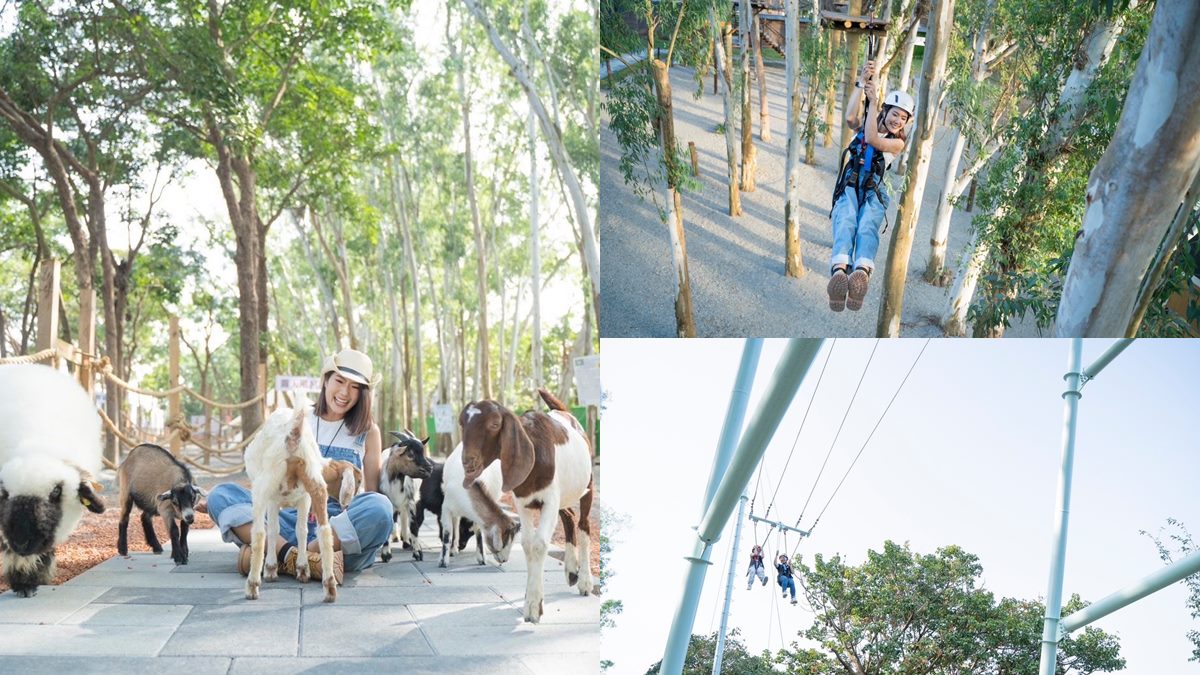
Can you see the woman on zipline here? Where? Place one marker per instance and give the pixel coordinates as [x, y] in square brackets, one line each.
[756, 567]
[860, 199]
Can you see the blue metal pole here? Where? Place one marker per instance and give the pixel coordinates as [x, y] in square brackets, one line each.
[734, 415]
[1155, 582]
[733, 555]
[1107, 357]
[797, 358]
[1059, 552]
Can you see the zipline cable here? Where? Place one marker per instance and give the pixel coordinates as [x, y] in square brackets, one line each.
[798, 431]
[839, 433]
[869, 436]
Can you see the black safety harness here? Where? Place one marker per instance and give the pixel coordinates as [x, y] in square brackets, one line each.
[861, 165]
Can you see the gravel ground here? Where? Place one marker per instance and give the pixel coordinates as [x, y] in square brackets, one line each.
[737, 264]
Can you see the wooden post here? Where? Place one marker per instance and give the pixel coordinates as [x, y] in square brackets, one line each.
[262, 389]
[591, 426]
[695, 161]
[48, 291]
[173, 408]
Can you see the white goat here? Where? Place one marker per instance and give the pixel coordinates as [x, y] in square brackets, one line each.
[284, 466]
[546, 461]
[458, 504]
[49, 452]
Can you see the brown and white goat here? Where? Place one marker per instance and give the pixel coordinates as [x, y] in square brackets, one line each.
[546, 462]
[285, 469]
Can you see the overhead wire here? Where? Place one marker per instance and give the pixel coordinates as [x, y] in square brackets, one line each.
[802, 421]
[870, 435]
[838, 434]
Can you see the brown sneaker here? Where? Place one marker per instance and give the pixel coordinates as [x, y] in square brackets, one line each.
[288, 566]
[243, 564]
[857, 291]
[837, 290]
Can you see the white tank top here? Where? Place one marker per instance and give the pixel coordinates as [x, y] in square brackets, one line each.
[336, 442]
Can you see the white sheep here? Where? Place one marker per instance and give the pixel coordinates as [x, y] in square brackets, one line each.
[458, 503]
[285, 469]
[49, 452]
[546, 462]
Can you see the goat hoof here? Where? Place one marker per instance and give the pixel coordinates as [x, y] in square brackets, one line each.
[251, 591]
[442, 563]
[330, 589]
[302, 574]
[271, 573]
[385, 556]
[418, 555]
[157, 551]
[572, 578]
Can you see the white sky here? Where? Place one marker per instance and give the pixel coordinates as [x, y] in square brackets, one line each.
[968, 455]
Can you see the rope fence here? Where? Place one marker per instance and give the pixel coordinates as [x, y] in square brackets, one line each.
[176, 432]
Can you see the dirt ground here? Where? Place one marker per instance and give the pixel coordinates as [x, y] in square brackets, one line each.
[95, 540]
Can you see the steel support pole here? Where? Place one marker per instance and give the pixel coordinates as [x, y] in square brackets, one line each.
[733, 554]
[1059, 551]
[1106, 358]
[797, 358]
[1155, 582]
[734, 416]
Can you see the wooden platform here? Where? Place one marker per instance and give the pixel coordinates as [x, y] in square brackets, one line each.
[854, 24]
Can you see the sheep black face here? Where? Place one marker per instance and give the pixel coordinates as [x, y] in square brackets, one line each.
[41, 501]
[408, 456]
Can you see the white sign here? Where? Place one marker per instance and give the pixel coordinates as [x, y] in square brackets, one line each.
[587, 379]
[297, 383]
[443, 418]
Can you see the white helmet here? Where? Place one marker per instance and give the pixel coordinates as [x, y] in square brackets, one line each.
[901, 100]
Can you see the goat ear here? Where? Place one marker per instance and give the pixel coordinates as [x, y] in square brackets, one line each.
[87, 497]
[199, 491]
[164, 496]
[516, 452]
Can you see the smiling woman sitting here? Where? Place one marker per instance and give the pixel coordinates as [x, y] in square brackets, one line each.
[344, 429]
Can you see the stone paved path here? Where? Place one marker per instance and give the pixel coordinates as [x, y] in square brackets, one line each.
[143, 614]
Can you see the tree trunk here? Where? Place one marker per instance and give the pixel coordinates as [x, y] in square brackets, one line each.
[723, 46]
[933, 71]
[481, 253]
[554, 141]
[941, 228]
[910, 46]
[411, 258]
[1136, 189]
[684, 326]
[793, 259]
[535, 263]
[749, 152]
[326, 293]
[339, 269]
[954, 321]
[831, 90]
[764, 111]
[853, 43]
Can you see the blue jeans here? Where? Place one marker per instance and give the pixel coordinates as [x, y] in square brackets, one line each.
[362, 528]
[786, 583]
[856, 230]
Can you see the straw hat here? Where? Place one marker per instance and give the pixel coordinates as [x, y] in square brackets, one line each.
[352, 365]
